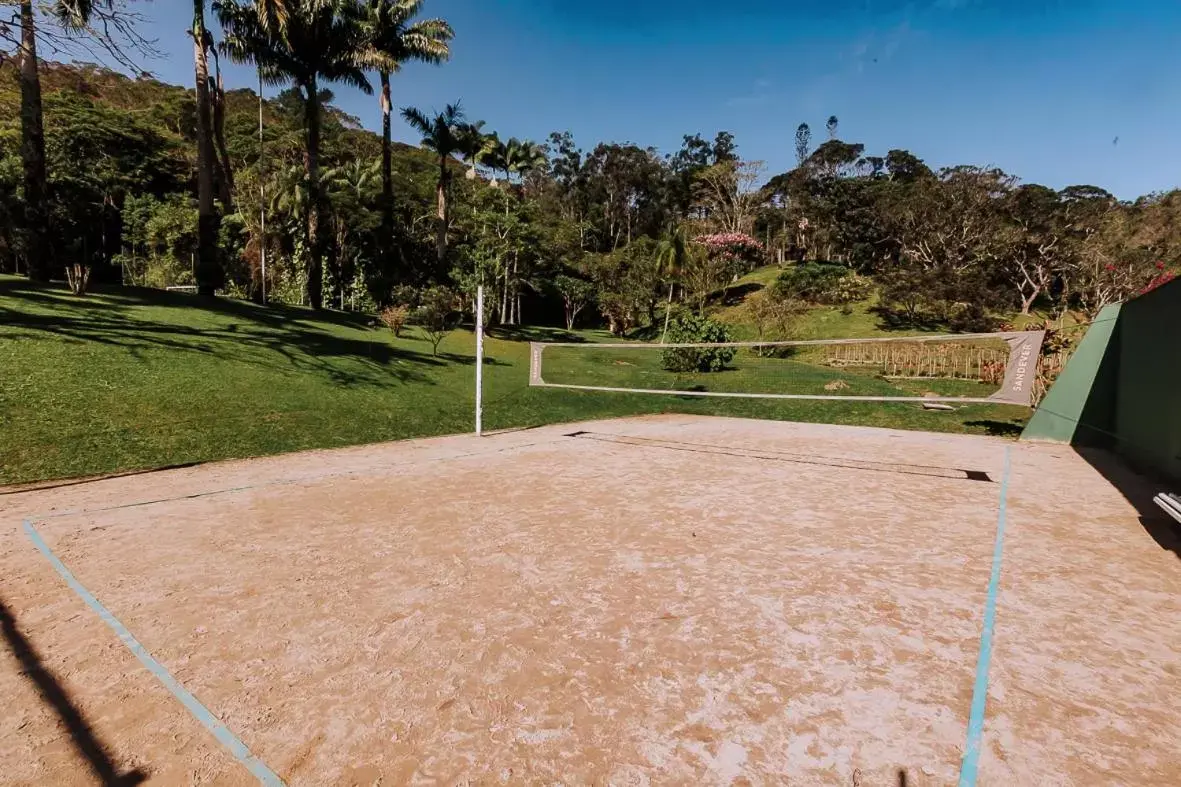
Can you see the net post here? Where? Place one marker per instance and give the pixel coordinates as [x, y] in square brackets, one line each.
[480, 360]
[535, 349]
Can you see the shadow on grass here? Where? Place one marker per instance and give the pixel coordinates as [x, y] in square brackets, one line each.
[533, 333]
[893, 320]
[736, 293]
[469, 360]
[298, 336]
[54, 695]
[1139, 491]
[997, 428]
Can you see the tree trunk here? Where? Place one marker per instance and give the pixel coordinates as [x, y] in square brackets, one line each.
[504, 298]
[33, 152]
[315, 249]
[667, 313]
[226, 179]
[208, 271]
[1027, 301]
[515, 306]
[441, 198]
[387, 179]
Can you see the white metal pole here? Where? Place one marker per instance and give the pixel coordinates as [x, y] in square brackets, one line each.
[480, 360]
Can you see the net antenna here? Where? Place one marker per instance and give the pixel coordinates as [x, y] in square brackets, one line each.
[980, 368]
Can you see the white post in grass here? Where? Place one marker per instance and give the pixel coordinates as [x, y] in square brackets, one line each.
[480, 360]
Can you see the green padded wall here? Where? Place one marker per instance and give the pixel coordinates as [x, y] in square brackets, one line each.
[1122, 387]
[1080, 406]
[1148, 404]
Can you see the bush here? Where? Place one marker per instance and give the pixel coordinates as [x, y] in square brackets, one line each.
[817, 282]
[403, 295]
[773, 316]
[691, 329]
[394, 318]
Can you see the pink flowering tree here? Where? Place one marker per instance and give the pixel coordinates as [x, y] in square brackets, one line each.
[737, 249]
[714, 260]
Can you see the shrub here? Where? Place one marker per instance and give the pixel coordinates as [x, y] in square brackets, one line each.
[817, 282]
[394, 318]
[403, 295]
[773, 316]
[692, 329]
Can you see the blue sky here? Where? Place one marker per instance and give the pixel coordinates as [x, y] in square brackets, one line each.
[1040, 88]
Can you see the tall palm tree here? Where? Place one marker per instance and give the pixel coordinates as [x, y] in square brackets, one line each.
[446, 134]
[392, 40]
[33, 151]
[73, 15]
[302, 42]
[208, 271]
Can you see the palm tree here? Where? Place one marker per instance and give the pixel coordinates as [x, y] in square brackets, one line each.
[446, 134]
[392, 40]
[73, 16]
[524, 158]
[477, 147]
[495, 156]
[349, 190]
[302, 42]
[670, 259]
[208, 271]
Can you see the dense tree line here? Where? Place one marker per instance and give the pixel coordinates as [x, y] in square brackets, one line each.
[290, 199]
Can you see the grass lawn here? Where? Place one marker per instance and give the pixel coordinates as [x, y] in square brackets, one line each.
[129, 380]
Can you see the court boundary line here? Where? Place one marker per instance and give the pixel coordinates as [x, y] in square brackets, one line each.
[268, 484]
[211, 723]
[975, 734]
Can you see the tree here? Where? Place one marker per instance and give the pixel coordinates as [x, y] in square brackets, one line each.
[524, 158]
[114, 35]
[392, 40]
[803, 143]
[952, 221]
[832, 125]
[773, 312]
[309, 41]
[724, 147]
[33, 151]
[703, 274]
[208, 270]
[349, 190]
[671, 253]
[627, 283]
[576, 293]
[1036, 248]
[625, 186]
[728, 194]
[437, 314]
[446, 134]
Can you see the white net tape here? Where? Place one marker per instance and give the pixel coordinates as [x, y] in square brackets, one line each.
[980, 368]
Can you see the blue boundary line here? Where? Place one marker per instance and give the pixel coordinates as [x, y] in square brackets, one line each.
[222, 733]
[971, 761]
